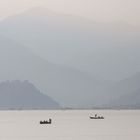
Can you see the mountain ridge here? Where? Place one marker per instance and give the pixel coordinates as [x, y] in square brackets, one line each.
[24, 95]
[71, 54]
[62, 83]
[78, 43]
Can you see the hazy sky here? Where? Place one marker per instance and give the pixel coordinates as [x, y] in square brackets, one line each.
[98, 10]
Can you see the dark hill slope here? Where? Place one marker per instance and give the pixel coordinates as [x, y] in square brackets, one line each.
[24, 95]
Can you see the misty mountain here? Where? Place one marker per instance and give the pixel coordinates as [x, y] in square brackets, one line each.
[126, 86]
[127, 101]
[80, 51]
[126, 93]
[66, 85]
[24, 95]
[107, 50]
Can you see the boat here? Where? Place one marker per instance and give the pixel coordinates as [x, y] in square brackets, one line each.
[96, 117]
[46, 122]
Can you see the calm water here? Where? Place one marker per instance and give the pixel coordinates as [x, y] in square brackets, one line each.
[69, 125]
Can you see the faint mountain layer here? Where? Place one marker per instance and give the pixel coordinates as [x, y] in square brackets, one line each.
[124, 94]
[24, 95]
[107, 50]
[128, 101]
[110, 51]
[68, 86]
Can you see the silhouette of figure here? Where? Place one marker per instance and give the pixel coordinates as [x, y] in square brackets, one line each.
[50, 121]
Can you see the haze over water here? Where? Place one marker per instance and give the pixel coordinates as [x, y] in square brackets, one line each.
[69, 125]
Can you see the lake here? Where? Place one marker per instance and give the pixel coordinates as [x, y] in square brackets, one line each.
[70, 125]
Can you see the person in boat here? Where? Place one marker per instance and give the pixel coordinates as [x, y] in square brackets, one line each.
[50, 121]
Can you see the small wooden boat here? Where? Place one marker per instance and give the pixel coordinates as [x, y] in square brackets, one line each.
[46, 122]
[96, 117]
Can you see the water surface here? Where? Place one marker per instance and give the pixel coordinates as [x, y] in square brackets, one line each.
[69, 125]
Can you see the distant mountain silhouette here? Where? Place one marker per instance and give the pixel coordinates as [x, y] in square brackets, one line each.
[129, 101]
[125, 86]
[125, 94]
[68, 86]
[101, 49]
[71, 52]
[24, 95]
